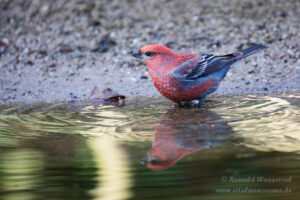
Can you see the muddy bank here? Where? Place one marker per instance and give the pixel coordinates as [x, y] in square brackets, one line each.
[49, 49]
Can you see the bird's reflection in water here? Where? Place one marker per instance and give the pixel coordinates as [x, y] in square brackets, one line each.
[181, 132]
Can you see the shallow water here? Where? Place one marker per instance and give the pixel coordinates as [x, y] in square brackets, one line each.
[232, 148]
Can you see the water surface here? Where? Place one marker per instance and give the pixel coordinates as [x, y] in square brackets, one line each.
[232, 148]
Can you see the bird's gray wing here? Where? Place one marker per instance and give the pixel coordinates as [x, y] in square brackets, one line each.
[205, 65]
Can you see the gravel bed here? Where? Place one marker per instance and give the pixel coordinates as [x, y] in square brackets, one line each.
[51, 48]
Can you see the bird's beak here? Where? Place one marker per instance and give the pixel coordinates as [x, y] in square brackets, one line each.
[137, 54]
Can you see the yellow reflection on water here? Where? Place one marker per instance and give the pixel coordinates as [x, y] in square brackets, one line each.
[114, 176]
[267, 123]
[124, 126]
[273, 125]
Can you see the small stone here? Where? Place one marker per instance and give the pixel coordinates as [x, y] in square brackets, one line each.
[261, 26]
[29, 62]
[170, 25]
[77, 54]
[73, 96]
[94, 45]
[144, 77]
[26, 51]
[251, 71]
[170, 44]
[283, 14]
[95, 23]
[43, 52]
[214, 44]
[65, 48]
[104, 45]
[4, 42]
[44, 10]
[291, 53]
[240, 47]
[195, 18]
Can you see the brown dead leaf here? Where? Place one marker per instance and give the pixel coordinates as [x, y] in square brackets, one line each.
[106, 95]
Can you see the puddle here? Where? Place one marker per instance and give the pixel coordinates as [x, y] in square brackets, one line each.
[148, 149]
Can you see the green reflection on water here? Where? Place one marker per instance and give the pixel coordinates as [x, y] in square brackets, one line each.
[81, 151]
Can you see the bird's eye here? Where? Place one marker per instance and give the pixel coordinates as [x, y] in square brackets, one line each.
[149, 53]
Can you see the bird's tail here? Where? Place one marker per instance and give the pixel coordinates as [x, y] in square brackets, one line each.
[249, 51]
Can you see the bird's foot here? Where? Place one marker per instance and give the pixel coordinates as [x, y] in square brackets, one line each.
[198, 102]
[182, 104]
[189, 104]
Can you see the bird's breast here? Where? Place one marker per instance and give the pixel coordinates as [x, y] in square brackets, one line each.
[175, 91]
[166, 85]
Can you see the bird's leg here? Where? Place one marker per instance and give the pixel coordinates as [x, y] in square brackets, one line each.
[199, 102]
[185, 104]
[177, 104]
[181, 104]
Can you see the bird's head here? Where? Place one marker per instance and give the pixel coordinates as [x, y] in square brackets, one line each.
[163, 154]
[155, 55]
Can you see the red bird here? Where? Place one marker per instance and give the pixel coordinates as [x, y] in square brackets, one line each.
[184, 77]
